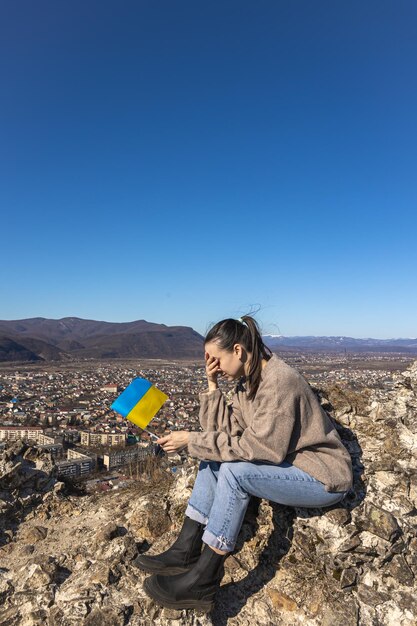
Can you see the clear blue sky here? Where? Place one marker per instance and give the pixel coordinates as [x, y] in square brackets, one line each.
[180, 161]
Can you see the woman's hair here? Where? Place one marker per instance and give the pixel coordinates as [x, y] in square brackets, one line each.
[245, 331]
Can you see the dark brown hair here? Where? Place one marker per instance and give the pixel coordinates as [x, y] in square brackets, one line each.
[245, 331]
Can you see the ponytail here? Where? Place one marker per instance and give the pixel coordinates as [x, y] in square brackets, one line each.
[245, 331]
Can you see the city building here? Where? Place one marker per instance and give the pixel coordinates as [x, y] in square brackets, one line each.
[91, 439]
[111, 388]
[75, 467]
[80, 453]
[132, 454]
[13, 433]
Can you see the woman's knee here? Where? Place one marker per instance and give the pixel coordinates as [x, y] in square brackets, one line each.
[234, 471]
[229, 480]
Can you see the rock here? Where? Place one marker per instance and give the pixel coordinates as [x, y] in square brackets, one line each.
[350, 544]
[168, 615]
[104, 617]
[344, 614]
[400, 571]
[33, 534]
[37, 576]
[282, 601]
[378, 521]
[101, 573]
[59, 487]
[6, 587]
[408, 602]
[130, 549]
[411, 557]
[338, 516]
[348, 578]
[10, 616]
[150, 520]
[371, 596]
[110, 531]
[413, 489]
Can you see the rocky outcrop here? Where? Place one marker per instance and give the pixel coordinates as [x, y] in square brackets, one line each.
[69, 561]
[26, 476]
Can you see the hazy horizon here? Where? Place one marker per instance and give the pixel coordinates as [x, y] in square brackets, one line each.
[202, 332]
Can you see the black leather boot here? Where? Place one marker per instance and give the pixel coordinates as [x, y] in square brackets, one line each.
[195, 589]
[180, 556]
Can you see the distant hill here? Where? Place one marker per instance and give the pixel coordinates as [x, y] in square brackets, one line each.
[13, 351]
[28, 349]
[75, 328]
[72, 337]
[339, 344]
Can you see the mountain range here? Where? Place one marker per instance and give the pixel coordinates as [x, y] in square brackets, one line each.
[340, 344]
[41, 339]
[71, 338]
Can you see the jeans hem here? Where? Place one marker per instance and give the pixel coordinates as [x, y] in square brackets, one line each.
[221, 542]
[195, 515]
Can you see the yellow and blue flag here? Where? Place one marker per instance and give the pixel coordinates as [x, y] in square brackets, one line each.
[139, 402]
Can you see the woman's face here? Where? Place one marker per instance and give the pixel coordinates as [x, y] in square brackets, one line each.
[230, 363]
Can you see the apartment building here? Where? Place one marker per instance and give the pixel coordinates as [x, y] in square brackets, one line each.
[131, 454]
[80, 453]
[91, 439]
[13, 433]
[75, 467]
[55, 449]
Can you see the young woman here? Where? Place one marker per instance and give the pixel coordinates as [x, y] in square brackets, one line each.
[274, 441]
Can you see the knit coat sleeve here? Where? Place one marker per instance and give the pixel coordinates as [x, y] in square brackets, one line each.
[267, 437]
[217, 415]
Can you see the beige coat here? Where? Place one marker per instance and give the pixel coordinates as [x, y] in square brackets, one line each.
[283, 422]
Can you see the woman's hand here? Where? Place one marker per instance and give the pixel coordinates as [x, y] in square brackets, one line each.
[212, 371]
[174, 442]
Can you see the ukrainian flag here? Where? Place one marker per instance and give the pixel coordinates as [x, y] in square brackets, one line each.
[139, 402]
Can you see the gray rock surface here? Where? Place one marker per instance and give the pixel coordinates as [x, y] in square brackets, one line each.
[66, 560]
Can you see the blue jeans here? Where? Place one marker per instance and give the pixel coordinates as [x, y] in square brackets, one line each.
[222, 492]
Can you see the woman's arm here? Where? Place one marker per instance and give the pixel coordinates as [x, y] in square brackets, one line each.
[217, 415]
[268, 437]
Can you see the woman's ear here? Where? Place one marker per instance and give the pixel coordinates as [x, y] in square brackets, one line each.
[238, 350]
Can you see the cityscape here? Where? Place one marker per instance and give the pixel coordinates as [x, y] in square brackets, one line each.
[64, 409]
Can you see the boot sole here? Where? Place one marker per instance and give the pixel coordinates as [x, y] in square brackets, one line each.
[198, 605]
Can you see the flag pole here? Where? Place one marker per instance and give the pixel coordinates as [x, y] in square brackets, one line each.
[149, 433]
